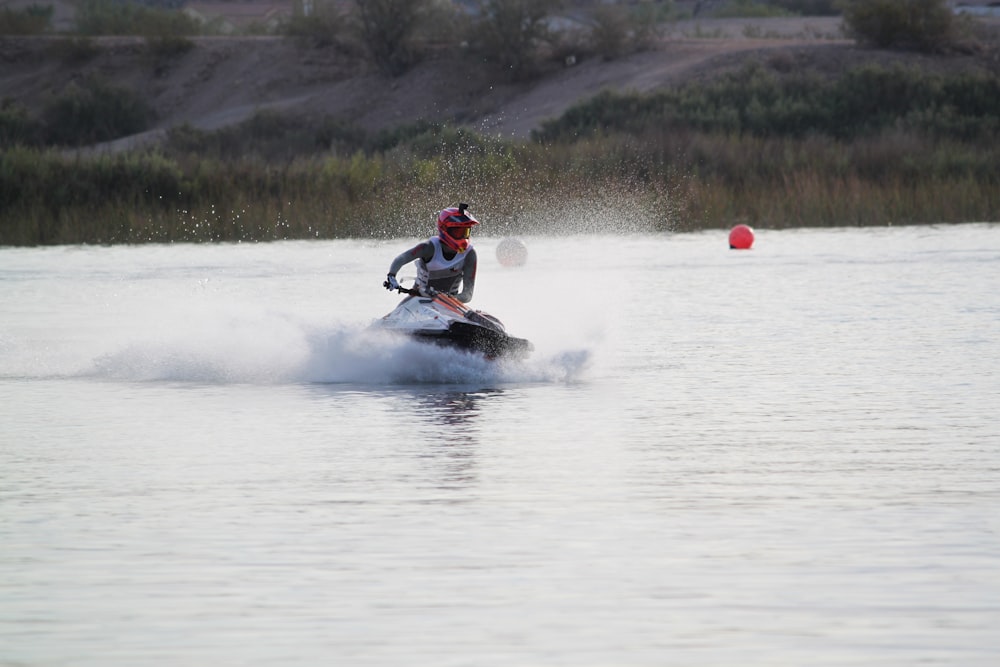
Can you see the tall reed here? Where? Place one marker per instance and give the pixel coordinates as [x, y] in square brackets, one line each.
[693, 180]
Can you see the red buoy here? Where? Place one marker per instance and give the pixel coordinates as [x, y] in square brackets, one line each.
[741, 237]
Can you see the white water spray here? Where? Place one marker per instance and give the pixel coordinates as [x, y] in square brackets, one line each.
[282, 313]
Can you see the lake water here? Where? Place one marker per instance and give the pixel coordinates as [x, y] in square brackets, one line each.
[782, 456]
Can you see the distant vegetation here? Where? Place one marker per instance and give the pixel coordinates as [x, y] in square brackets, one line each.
[108, 17]
[769, 144]
[873, 146]
[519, 35]
[863, 103]
[31, 20]
[922, 25]
[87, 112]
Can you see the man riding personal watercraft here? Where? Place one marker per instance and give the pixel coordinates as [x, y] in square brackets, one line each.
[434, 310]
[444, 262]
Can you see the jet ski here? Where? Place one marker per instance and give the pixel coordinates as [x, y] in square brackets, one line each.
[442, 319]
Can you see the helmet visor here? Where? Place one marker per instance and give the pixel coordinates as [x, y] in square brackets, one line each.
[460, 232]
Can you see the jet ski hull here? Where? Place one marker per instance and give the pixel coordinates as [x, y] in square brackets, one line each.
[443, 320]
[472, 338]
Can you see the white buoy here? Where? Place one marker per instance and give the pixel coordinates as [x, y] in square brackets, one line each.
[512, 252]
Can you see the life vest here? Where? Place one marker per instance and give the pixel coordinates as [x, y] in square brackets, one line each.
[444, 275]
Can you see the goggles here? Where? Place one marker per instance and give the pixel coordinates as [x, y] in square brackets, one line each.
[459, 232]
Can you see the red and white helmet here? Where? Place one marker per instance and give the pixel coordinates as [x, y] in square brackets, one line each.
[455, 226]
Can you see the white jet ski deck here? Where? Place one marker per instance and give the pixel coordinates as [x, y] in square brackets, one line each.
[444, 320]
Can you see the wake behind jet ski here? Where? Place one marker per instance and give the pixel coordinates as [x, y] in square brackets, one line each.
[442, 319]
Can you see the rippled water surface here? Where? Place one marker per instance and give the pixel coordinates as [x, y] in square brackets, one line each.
[782, 456]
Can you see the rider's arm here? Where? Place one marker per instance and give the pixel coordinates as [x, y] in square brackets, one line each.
[468, 277]
[424, 251]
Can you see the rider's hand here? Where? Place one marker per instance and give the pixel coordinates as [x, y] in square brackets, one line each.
[390, 283]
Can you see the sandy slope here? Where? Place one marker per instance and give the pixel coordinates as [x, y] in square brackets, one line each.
[226, 80]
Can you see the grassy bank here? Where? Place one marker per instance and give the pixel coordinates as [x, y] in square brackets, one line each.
[690, 181]
[870, 147]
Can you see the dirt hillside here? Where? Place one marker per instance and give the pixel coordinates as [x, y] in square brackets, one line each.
[225, 80]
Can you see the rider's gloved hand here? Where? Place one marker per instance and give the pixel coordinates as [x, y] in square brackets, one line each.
[390, 282]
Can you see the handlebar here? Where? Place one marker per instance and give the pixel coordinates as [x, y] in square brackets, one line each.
[412, 291]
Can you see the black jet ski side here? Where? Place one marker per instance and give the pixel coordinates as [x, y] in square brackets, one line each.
[444, 320]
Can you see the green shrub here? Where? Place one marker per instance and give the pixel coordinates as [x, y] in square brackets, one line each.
[809, 7]
[610, 33]
[754, 100]
[511, 34]
[269, 136]
[748, 9]
[426, 140]
[618, 30]
[94, 111]
[31, 20]
[111, 17]
[921, 25]
[17, 127]
[389, 29]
